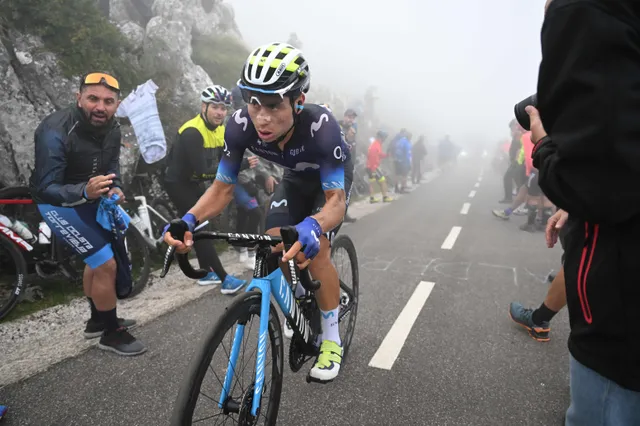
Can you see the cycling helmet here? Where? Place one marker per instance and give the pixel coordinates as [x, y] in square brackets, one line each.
[276, 68]
[382, 135]
[216, 95]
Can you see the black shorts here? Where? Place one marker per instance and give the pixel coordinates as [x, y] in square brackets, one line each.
[297, 197]
[520, 175]
[375, 174]
[532, 185]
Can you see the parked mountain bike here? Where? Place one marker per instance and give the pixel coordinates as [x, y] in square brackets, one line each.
[255, 399]
[20, 260]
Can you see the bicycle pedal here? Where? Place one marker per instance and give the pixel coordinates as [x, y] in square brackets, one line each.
[311, 379]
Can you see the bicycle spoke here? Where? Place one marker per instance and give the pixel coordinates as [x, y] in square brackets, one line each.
[232, 366]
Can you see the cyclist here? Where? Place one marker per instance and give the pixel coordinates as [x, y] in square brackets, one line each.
[193, 159]
[314, 192]
[374, 155]
[77, 161]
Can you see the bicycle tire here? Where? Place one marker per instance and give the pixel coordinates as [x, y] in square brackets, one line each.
[163, 207]
[21, 272]
[133, 234]
[243, 305]
[344, 242]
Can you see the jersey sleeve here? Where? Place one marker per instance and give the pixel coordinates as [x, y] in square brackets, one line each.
[329, 138]
[235, 143]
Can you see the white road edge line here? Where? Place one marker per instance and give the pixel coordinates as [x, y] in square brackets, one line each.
[391, 346]
[465, 208]
[472, 194]
[477, 185]
[451, 238]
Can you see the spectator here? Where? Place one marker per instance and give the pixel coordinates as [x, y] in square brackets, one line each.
[402, 162]
[77, 161]
[515, 172]
[589, 162]
[418, 152]
[350, 130]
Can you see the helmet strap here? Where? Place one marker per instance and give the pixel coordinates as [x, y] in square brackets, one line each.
[206, 120]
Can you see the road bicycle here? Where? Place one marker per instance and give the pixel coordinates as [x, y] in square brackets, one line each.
[256, 399]
[20, 260]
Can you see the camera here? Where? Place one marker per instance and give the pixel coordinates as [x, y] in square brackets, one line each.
[521, 114]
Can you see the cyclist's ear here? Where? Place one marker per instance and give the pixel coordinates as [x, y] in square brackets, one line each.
[299, 103]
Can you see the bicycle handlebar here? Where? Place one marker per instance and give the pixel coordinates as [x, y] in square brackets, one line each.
[289, 237]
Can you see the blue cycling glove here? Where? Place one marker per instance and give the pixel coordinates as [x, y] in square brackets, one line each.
[189, 219]
[309, 232]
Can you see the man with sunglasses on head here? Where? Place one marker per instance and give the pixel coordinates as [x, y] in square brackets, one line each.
[314, 193]
[77, 161]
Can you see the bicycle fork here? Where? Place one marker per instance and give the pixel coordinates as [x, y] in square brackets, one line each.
[274, 283]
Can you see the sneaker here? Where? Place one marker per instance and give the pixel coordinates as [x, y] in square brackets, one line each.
[327, 364]
[250, 262]
[122, 343]
[288, 331]
[231, 285]
[523, 317]
[373, 200]
[95, 328]
[210, 279]
[387, 199]
[500, 214]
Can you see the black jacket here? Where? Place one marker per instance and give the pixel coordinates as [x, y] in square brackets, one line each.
[589, 102]
[68, 152]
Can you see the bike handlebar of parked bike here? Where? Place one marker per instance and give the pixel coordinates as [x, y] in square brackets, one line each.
[289, 236]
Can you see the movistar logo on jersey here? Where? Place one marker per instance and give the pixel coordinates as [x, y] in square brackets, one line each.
[315, 126]
[240, 120]
[275, 204]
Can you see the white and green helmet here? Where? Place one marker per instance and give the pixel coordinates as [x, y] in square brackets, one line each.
[276, 68]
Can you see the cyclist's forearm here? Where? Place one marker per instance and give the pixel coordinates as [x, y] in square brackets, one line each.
[333, 211]
[213, 201]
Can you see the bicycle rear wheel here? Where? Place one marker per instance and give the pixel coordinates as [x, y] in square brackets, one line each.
[342, 251]
[218, 341]
[13, 272]
[140, 259]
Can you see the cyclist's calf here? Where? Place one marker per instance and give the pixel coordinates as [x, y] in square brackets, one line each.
[103, 285]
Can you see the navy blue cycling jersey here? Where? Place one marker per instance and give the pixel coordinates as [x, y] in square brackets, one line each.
[316, 149]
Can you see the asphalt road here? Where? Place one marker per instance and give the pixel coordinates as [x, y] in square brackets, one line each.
[463, 362]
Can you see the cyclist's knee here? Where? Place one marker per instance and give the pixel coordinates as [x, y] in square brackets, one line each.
[109, 268]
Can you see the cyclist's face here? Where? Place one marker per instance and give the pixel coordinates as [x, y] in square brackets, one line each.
[98, 103]
[215, 113]
[272, 116]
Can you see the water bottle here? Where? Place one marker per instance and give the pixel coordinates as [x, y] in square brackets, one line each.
[5, 221]
[44, 233]
[144, 217]
[22, 230]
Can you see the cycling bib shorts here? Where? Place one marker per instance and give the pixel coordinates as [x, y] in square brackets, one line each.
[78, 228]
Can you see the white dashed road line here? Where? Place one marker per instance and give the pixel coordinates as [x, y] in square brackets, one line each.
[472, 194]
[392, 344]
[451, 238]
[480, 178]
[465, 208]
[476, 185]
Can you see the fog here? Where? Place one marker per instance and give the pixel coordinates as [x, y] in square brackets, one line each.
[453, 66]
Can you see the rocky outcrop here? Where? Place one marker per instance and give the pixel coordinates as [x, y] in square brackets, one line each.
[160, 33]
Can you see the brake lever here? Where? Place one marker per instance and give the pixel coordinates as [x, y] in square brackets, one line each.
[289, 237]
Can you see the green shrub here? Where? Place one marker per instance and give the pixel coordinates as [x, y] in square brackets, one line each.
[77, 32]
[222, 57]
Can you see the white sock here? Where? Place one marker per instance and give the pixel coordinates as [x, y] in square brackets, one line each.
[330, 329]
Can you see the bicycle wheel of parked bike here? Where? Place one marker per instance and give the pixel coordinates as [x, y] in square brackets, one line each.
[345, 260]
[198, 400]
[13, 272]
[140, 259]
[164, 208]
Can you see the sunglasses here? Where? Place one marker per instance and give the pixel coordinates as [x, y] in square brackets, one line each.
[101, 78]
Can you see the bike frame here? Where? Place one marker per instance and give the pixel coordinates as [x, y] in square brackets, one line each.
[276, 284]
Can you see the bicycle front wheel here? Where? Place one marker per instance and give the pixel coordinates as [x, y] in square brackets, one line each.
[213, 357]
[13, 273]
[345, 260]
